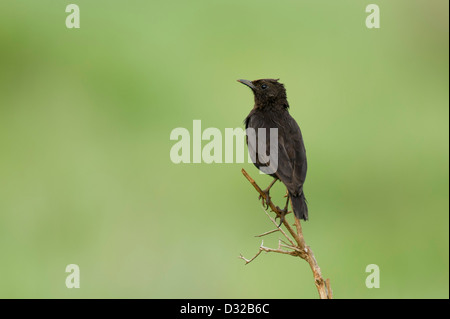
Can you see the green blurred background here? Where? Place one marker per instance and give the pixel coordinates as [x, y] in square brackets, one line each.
[85, 172]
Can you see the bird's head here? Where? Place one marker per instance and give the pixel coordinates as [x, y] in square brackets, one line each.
[267, 92]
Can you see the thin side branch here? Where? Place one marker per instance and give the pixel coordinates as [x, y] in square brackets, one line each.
[298, 246]
[268, 232]
[279, 228]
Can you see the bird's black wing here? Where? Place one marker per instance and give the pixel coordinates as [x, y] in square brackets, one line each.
[292, 163]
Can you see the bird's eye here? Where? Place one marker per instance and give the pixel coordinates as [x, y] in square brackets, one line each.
[264, 86]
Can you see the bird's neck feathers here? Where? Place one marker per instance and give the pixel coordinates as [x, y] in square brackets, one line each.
[278, 103]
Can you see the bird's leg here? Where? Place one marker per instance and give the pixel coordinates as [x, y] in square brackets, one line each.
[266, 201]
[284, 211]
[287, 201]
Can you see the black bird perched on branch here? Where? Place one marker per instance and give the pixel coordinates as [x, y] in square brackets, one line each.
[289, 164]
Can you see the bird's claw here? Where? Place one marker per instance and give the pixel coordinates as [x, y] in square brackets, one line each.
[265, 201]
[281, 213]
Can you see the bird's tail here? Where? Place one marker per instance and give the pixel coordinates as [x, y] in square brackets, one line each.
[299, 206]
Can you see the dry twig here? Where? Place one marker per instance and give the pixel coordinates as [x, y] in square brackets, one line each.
[297, 245]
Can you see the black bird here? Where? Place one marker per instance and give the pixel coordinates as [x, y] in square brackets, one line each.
[271, 111]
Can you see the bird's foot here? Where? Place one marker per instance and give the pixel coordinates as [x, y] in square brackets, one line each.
[281, 213]
[265, 200]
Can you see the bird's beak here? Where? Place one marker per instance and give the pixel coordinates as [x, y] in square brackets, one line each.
[248, 83]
